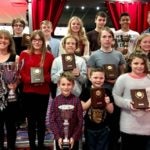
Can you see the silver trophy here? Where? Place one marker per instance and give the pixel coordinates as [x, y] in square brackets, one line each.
[66, 114]
[10, 75]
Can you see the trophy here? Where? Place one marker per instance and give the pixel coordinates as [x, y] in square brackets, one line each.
[125, 39]
[10, 75]
[66, 114]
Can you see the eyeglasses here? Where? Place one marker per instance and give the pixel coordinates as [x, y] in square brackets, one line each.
[18, 25]
[37, 40]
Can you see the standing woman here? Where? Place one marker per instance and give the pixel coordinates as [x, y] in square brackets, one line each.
[76, 29]
[35, 76]
[134, 123]
[8, 109]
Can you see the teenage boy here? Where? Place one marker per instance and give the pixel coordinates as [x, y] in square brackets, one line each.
[125, 30]
[100, 22]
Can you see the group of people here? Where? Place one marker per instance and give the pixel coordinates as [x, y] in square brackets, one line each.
[41, 77]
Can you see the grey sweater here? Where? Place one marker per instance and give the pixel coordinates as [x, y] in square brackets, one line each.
[131, 122]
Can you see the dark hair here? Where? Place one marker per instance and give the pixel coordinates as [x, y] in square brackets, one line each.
[101, 14]
[16, 20]
[124, 14]
[100, 69]
[43, 48]
[68, 75]
[141, 55]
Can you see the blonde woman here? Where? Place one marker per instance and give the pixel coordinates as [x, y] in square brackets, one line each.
[76, 29]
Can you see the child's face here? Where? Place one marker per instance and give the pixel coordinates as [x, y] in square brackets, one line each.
[75, 26]
[125, 21]
[70, 45]
[65, 86]
[97, 79]
[137, 66]
[100, 22]
[145, 44]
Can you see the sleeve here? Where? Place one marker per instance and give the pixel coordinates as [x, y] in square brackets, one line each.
[56, 70]
[78, 128]
[53, 124]
[25, 78]
[91, 62]
[83, 72]
[118, 91]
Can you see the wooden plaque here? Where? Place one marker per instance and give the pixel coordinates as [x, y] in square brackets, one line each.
[139, 97]
[68, 61]
[111, 72]
[26, 40]
[98, 97]
[37, 75]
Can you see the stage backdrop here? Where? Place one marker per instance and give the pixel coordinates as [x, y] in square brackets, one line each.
[137, 10]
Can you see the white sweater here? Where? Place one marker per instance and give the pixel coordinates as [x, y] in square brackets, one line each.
[132, 122]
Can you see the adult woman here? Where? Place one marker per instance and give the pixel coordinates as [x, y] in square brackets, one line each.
[134, 123]
[35, 76]
[7, 108]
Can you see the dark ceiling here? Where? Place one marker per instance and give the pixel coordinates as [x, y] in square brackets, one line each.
[87, 15]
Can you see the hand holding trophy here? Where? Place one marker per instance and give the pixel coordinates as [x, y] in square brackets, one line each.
[10, 75]
[66, 114]
[125, 39]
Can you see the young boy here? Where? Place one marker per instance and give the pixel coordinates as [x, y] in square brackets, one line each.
[96, 128]
[66, 84]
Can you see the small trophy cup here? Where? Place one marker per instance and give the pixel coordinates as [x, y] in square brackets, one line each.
[66, 114]
[125, 39]
[9, 75]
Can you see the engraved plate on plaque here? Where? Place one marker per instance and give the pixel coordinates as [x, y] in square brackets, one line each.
[37, 75]
[98, 97]
[139, 97]
[68, 61]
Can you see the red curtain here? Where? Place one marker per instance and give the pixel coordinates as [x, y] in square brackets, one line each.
[138, 12]
[46, 10]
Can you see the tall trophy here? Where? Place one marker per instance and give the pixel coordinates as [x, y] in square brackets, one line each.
[10, 75]
[125, 39]
[66, 114]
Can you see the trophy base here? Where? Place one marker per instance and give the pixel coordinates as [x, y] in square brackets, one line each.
[66, 146]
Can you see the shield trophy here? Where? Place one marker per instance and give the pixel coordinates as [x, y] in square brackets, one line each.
[125, 39]
[66, 114]
[9, 75]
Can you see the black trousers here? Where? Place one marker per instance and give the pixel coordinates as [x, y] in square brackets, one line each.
[130, 142]
[36, 108]
[8, 118]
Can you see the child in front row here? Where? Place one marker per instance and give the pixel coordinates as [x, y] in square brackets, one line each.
[96, 128]
[66, 84]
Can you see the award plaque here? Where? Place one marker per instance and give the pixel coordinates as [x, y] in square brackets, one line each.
[111, 72]
[68, 61]
[139, 97]
[26, 40]
[125, 39]
[37, 75]
[98, 97]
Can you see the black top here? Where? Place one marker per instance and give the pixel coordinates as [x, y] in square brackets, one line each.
[18, 45]
[89, 123]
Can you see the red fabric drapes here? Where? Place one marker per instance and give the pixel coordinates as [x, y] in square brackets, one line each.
[46, 10]
[137, 10]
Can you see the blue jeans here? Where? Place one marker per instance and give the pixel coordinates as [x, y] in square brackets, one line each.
[97, 140]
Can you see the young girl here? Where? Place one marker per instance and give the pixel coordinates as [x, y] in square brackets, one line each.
[70, 44]
[134, 123]
[35, 77]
